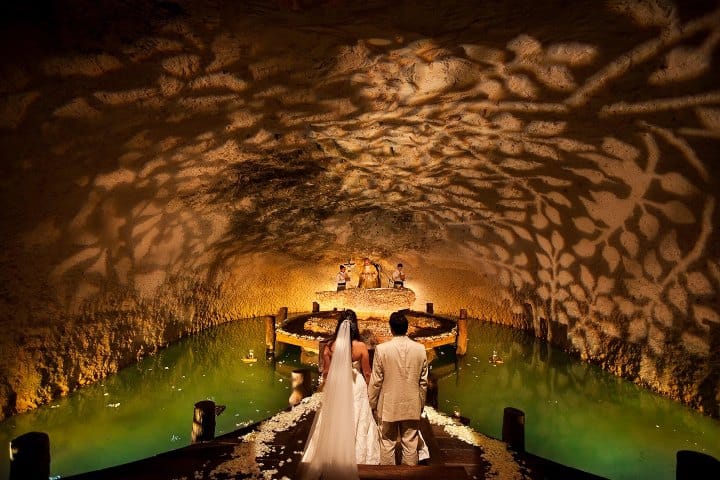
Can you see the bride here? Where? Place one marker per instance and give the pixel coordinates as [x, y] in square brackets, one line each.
[339, 440]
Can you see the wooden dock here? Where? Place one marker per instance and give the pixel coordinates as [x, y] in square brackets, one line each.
[450, 459]
[282, 329]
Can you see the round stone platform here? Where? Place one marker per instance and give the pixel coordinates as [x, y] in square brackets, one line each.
[309, 330]
[376, 300]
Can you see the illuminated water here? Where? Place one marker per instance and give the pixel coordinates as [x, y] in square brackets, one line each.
[575, 414]
[148, 408]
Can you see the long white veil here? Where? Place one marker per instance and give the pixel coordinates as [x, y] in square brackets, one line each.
[330, 448]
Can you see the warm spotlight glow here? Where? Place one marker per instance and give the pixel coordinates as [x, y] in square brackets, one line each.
[368, 301]
[220, 164]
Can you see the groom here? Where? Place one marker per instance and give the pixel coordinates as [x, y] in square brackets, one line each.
[397, 389]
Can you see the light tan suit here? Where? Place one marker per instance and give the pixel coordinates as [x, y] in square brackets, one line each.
[397, 390]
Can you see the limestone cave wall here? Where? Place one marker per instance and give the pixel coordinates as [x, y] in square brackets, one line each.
[168, 166]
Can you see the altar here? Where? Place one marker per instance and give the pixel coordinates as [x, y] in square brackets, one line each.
[380, 300]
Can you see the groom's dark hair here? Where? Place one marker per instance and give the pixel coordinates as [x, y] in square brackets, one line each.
[398, 323]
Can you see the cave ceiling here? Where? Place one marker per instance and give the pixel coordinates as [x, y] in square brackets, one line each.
[564, 150]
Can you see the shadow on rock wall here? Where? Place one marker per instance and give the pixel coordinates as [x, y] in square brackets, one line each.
[209, 163]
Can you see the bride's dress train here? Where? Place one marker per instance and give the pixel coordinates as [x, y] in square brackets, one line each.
[343, 433]
[365, 434]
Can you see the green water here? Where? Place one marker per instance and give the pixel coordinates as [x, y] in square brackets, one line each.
[147, 408]
[575, 414]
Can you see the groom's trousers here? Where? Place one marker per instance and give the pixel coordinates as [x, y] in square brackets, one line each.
[407, 431]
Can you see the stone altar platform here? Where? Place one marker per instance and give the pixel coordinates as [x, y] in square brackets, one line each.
[367, 299]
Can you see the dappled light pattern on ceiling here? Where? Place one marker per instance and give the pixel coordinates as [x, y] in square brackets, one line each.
[568, 153]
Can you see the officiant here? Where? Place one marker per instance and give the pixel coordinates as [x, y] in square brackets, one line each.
[369, 275]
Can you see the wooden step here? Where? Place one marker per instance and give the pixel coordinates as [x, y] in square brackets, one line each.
[406, 472]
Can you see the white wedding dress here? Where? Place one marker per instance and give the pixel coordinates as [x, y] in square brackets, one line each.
[367, 433]
[339, 440]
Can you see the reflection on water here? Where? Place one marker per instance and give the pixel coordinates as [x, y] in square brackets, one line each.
[147, 408]
[575, 414]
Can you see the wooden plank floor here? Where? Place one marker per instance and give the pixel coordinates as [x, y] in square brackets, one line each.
[453, 453]
[404, 472]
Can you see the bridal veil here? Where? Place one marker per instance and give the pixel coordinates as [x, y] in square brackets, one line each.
[330, 448]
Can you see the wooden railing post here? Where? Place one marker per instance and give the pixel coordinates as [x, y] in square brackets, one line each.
[203, 426]
[321, 358]
[30, 456]
[513, 428]
[270, 335]
[462, 335]
[282, 316]
[431, 399]
[693, 465]
[301, 381]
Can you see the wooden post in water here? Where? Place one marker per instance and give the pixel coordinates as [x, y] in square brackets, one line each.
[301, 382]
[321, 358]
[462, 335]
[431, 398]
[693, 465]
[316, 307]
[270, 336]
[30, 456]
[203, 426]
[429, 308]
[513, 428]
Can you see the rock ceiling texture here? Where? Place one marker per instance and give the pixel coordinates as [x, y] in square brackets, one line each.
[167, 166]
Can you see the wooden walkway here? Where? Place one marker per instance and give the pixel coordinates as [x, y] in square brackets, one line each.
[450, 459]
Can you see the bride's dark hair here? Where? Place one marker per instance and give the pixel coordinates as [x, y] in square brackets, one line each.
[354, 329]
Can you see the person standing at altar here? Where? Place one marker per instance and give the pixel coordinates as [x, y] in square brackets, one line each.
[398, 277]
[369, 275]
[342, 278]
[397, 391]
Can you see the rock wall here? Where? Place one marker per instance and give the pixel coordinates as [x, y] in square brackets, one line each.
[171, 165]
